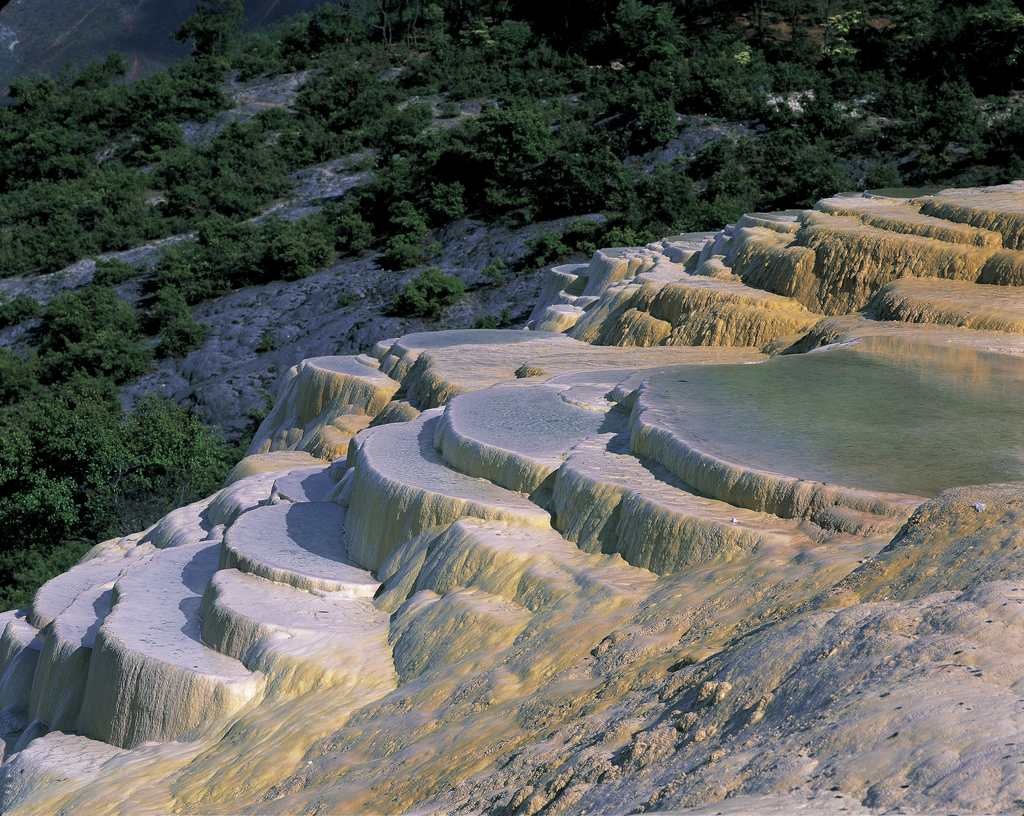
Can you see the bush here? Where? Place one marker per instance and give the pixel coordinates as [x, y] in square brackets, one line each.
[19, 376]
[94, 333]
[406, 248]
[17, 310]
[583, 174]
[351, 233]
[346, 96]
[882, 176]
[494, 273]
[502, 321]
[402, 253]
[665, 200]
[258, 56]
[394, 131]
[448, 110]
[446, 201]
[502, 143]
[76, 469]
[428, 295]
[545, 249]
[294, 250]
[179, 330]
[193, 271]
[267, 343]
[111, 272]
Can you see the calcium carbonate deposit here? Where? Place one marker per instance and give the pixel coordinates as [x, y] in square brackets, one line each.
[736, 526]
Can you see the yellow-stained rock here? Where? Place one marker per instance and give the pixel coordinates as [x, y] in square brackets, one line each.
[709, 312]
[316, 394]
[952, 303]
[401, 487]
[636, 328]
[707, 611]
[260, 463]
[905, 217]
[600, 319]
[610, 266]
[1000, 209]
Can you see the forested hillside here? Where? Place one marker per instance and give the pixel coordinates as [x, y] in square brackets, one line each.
[577, 102]
[39, 36]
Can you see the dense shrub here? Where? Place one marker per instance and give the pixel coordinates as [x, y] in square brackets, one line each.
[499, 146]
[347, 95]
[18, 309]
[192, 270]
[583, 174]
[351, 233]
[75, 469]
[19, 376]
[407, 247]
[500, 321]
[427, 295]
[111, 272]
[294, 250]
[172, 318]
[94, 333]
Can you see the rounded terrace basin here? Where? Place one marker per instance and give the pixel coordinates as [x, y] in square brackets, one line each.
[889, 414]
[516, 436]
[425, 341]
[301, 544]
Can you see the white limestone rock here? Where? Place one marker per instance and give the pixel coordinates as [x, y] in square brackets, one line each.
[401, 487]
[317, 393]
[301, 544]
[150, 676]
[517, 436]
[298, 640]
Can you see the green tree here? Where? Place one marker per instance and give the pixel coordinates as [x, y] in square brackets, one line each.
[501, 144]
[179, 330]
[18, 309]
[19, 376]
[75, 469]
[295, 250]
[428, 294]
[214, 29]
[95, 333]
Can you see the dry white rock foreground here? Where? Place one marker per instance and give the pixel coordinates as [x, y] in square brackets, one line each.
[737, 526]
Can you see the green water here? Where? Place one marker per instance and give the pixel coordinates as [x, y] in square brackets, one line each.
[901, 192]
[886, 414]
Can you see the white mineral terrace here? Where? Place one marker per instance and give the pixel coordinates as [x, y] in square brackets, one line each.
[516, 437]
[298, 544]
[151, 677]
[741, 529]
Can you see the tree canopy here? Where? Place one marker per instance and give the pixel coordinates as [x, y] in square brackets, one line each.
[214, 29]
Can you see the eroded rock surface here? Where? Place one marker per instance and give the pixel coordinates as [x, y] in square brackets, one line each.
[744, 535]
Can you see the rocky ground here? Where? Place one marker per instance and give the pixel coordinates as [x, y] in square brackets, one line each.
[338, 310]
[313, 317]
[557, 575]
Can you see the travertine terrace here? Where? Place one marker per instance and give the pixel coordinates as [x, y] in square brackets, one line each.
[736, 525]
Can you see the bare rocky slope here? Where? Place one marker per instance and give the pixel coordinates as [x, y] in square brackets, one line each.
[338, 310]
[735, 527]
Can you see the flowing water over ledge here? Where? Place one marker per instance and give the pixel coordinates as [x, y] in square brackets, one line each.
[893, 414]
